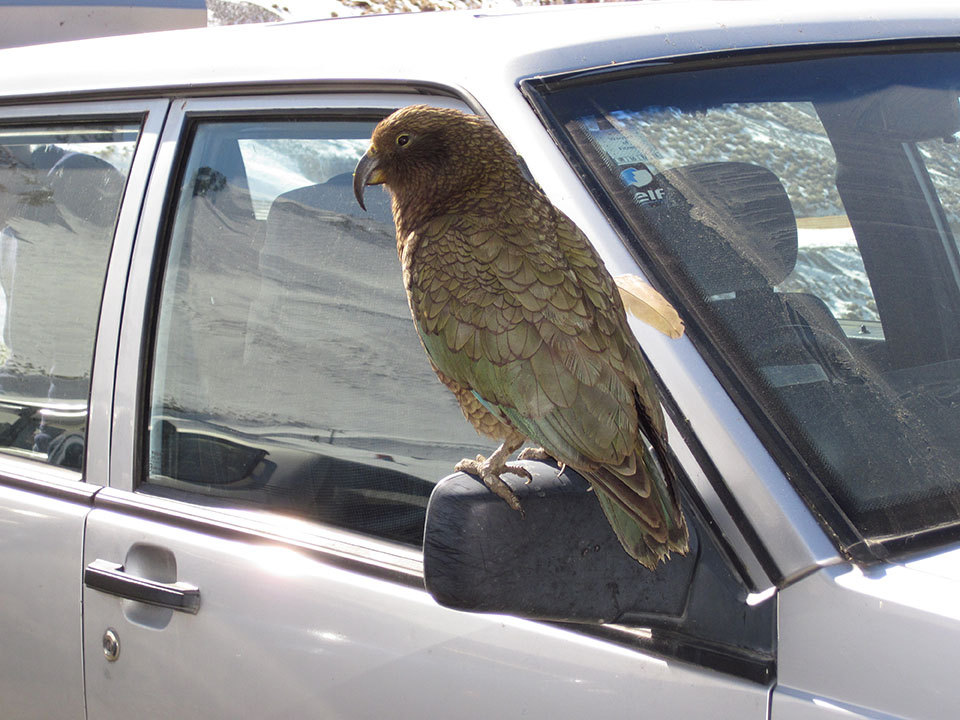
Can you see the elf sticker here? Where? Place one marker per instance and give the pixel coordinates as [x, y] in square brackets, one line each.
[639, 179]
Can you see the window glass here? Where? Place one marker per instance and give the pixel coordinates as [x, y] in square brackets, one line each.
[804, 214]
[287, 371]
[789, 140]
[941, 158]
[60, 193]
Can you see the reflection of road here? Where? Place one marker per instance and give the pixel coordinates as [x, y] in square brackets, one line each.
[321, 345]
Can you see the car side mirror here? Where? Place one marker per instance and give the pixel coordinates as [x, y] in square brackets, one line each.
[558, 561]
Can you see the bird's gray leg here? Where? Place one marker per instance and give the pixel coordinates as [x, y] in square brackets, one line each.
[491, 468]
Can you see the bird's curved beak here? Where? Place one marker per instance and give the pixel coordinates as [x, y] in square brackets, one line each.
[367, 173]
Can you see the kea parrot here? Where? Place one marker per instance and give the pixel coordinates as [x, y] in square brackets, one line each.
[522, 322]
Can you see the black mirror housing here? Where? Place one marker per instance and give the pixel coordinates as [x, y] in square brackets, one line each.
[559, 560]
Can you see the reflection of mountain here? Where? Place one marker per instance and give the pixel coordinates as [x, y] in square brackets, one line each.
[829, 266]
[275, 166]
[788, 140]
[943, 163]
[785, 138]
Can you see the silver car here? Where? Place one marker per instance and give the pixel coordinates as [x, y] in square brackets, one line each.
[225, 463]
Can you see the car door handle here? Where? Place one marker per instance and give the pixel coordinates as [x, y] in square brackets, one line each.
[109, 577]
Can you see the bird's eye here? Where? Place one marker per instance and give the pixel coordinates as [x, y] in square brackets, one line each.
[403, 139]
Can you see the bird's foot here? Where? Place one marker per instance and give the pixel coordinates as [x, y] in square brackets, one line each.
[489, 470]
[532, 453]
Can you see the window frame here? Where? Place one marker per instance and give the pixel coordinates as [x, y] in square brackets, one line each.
[135, 352]
[149, 115]
[837, 527]
[282, 477]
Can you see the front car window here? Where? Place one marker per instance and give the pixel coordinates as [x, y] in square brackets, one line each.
[60, 193]
[287, 374]
[805, 214]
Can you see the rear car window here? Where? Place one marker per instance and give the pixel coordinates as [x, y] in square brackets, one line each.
[287, 374]
[804, 214]
[60, 193]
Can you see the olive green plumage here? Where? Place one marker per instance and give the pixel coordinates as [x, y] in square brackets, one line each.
[522, 321]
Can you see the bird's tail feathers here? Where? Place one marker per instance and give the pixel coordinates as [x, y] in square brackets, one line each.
[642, 508]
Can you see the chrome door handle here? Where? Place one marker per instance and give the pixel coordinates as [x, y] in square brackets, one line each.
[109, 577]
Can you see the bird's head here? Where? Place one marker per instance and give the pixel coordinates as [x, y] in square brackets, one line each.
[427, 155]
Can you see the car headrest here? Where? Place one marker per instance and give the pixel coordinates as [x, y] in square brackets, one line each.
[336, 195]
[86, 187]
[730, 224]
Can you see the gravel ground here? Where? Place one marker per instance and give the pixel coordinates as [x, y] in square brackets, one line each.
[235, 12]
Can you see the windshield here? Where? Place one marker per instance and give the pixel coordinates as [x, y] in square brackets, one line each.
[803, 214]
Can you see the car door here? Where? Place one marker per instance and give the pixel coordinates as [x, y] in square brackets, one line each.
[64, 169]
[276, 436]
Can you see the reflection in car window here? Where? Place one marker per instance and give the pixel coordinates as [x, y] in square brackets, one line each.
[805, 214]
[941, 159]
[60, 192]
[788, 139]
[287, 373]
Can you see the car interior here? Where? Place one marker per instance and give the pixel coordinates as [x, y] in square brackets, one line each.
[263, 391]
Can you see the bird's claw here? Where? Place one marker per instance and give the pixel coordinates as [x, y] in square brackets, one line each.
[538, 453]
[491, 477]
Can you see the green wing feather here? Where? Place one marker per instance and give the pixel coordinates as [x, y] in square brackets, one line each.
[516, 307]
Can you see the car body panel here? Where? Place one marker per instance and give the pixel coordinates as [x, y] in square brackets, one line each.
[353, 48]
[862, 640]
[41, 599]
[303, 636]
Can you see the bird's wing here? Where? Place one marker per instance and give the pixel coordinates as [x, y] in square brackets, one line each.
[521, 311]
[517, 307]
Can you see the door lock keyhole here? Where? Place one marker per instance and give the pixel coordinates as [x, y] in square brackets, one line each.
[111, 645]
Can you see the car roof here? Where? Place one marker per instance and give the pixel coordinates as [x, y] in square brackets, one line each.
[460, 49]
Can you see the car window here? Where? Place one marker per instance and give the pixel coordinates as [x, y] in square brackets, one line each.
[60, 193]
[287, 374]
[942, 162]
[804, 214]
[789, 140]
